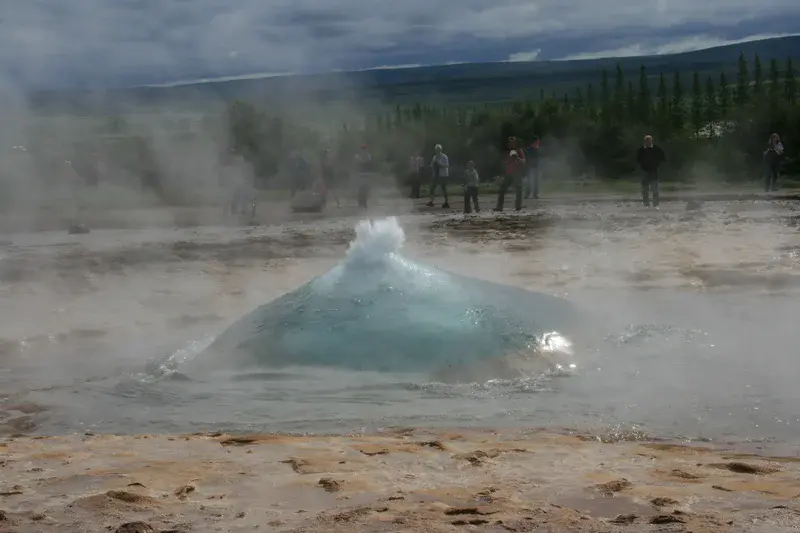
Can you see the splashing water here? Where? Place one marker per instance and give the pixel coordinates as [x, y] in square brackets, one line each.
[375, 240]
[378, 311]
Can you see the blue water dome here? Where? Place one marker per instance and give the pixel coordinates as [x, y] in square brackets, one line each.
[378, 311]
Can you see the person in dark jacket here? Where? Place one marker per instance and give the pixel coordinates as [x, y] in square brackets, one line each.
[773, 156]
[513, 173]
[649, 157]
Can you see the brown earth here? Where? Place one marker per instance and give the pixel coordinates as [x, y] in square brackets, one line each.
[399, 481]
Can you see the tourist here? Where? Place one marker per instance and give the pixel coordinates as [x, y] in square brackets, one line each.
[299, 173]
[328, 167]
[649, 157]
[415, 165]
[233, 177]
[773, 156]
[363, 165]
[513, 173]
[71, 184]
[471, 183]
[440, 165]
[532, 178]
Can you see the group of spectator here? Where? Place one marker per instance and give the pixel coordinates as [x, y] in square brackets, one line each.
[521, 170]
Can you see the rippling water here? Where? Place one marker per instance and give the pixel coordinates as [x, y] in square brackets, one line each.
[671, 361]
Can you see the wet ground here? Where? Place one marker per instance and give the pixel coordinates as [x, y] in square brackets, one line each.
[700, 302]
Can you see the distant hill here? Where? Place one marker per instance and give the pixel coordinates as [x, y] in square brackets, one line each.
[461, 83]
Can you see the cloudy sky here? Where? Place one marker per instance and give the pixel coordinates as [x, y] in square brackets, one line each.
[121, 42]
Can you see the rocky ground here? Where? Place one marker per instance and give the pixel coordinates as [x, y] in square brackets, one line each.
[402, 480]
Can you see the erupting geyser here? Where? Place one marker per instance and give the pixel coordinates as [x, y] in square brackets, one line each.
[381, 312]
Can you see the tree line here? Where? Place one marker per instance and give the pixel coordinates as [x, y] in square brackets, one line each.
[711, 127]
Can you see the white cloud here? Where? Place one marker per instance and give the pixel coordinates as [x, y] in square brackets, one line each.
[689, 44]
[524, 56]
[393, 67]
[254, 76]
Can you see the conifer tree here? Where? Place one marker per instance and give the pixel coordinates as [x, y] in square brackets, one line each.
[579, 101]
[758, 78]
[618, 99]
[724, 96]
[662, 95]
[742, 82]
[789, 82]
[774, 83]
[710, 106]
[697, 103]
[630, 102]
[645, 100]
[591, 101]
[605, 97]
[677, 111]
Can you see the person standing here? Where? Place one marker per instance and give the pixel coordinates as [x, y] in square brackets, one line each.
[363, 165]
[71, 184]
[239, 183]
[532, 176]
[328, 167]
[512, 175]
[415, 164]
[773, 156]
[300, 172]
[471, 183]
[440, 164]
[649, 157]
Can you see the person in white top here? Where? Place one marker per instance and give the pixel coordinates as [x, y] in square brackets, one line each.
[440, 164]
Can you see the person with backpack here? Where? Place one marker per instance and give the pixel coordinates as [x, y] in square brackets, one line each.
[513, 173]
[773, 156]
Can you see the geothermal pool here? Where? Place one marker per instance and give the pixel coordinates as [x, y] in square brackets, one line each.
[681, 324]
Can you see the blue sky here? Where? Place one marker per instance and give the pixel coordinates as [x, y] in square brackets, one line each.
[122, 42]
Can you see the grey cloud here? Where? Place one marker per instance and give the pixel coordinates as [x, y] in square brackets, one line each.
[108, 39]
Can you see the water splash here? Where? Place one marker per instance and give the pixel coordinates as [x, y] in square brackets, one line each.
[379, 311]
[375, 239]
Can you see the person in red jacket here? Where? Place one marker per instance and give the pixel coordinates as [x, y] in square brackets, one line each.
[513, 173]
